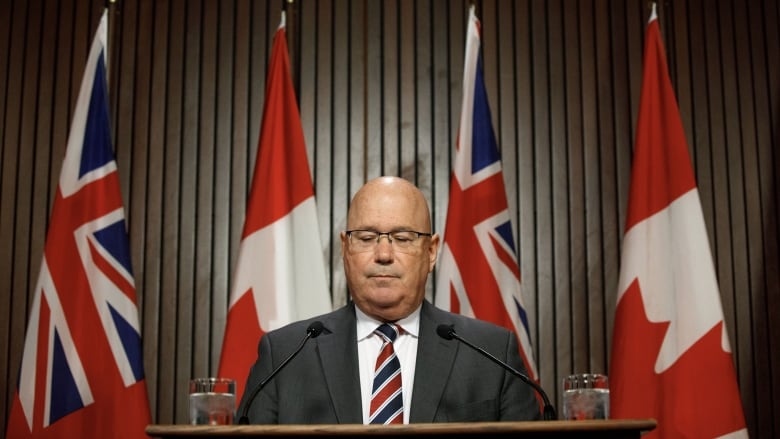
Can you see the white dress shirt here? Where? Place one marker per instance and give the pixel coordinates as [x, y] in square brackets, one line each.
[369, 345]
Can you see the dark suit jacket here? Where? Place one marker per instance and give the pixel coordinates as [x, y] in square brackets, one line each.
[452, 382]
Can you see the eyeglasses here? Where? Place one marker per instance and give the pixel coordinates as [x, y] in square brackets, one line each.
[404, 241]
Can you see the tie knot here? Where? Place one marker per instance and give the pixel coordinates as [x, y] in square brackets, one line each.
[388, 331]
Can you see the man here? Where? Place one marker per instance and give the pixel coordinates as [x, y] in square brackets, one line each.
[388, 251]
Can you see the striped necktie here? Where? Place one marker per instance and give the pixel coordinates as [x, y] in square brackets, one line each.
[387, 404]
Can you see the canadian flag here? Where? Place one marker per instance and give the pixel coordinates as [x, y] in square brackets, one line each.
[280, 273]
[671, 358]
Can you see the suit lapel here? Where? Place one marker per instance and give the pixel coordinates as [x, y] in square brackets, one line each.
[338, 355]
[434, 362]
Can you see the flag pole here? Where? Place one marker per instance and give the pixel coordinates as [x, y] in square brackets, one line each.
[288, 9]
[112, 7]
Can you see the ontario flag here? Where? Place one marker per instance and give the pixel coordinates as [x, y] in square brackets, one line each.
[671, 358]
[280, 273]
[479, 274]
[82, 373]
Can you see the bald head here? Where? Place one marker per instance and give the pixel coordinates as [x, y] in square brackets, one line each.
[393, 198]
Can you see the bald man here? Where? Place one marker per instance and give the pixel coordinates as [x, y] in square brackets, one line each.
[388, 249]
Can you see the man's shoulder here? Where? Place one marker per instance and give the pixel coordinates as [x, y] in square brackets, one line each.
[463, 323]
[299, 328]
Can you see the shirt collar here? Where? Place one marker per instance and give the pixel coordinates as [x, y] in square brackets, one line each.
[367, 325]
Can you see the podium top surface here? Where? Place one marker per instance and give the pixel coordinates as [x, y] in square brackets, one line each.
[613, 428]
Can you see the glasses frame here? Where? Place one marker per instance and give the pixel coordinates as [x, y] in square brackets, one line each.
[389, 238]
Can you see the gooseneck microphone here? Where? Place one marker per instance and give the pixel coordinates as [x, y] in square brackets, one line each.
[447, 332]
[313, 331]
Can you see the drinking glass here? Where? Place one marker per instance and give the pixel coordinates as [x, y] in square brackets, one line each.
[586, 396]
[212, 401]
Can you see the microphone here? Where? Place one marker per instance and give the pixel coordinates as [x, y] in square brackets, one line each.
[447, 332]
[313, 331]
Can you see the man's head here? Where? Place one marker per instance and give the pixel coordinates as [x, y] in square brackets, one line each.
[387, 279]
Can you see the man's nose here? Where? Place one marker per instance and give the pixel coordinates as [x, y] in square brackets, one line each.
[384, 249]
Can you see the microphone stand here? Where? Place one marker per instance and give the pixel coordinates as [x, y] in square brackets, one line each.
[549, 411]
[312, 331]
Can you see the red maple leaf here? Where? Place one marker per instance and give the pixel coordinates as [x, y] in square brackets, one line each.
[696, 397]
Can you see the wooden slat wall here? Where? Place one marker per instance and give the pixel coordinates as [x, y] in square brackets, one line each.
[379, 87]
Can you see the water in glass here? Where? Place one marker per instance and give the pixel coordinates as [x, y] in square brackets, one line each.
[211, 408]
[586, 404]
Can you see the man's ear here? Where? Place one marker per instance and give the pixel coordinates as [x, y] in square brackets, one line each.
[433, 252]
[344, 238]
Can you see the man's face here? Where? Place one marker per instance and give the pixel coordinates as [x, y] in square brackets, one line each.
[386, 283]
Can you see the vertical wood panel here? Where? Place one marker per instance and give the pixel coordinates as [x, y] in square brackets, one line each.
[223, 152]
[264, 25]
[456, 31]
[240, 167]
[390, 86]
[488, 32]
[7, 361]
[371, 75]
[308, 99]
[5, 63]
[722, 223]
[611, 230]
[624, 140]
[740, 318]
[148, 288]
[678, 30]
[543, 197]
[379, 89]
[765, 44]
[422, 154]
[166, 335]
[596, 284]
[187, 267]
[43, 165]
[12, 268]
[401, 156]
[339, 125]
[559, 165]
[63, 94]
[11, 340]
[741, 142]
[577, 325]
[357, 106]
[506, 107]
[443, 123]
[139, 201]
[23, 279]
[526, 224]
[755, 305]
[701, 157]
[204, 207]
[131, 131]
[320, 110]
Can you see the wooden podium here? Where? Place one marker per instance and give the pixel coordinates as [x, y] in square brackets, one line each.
[608, 429]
